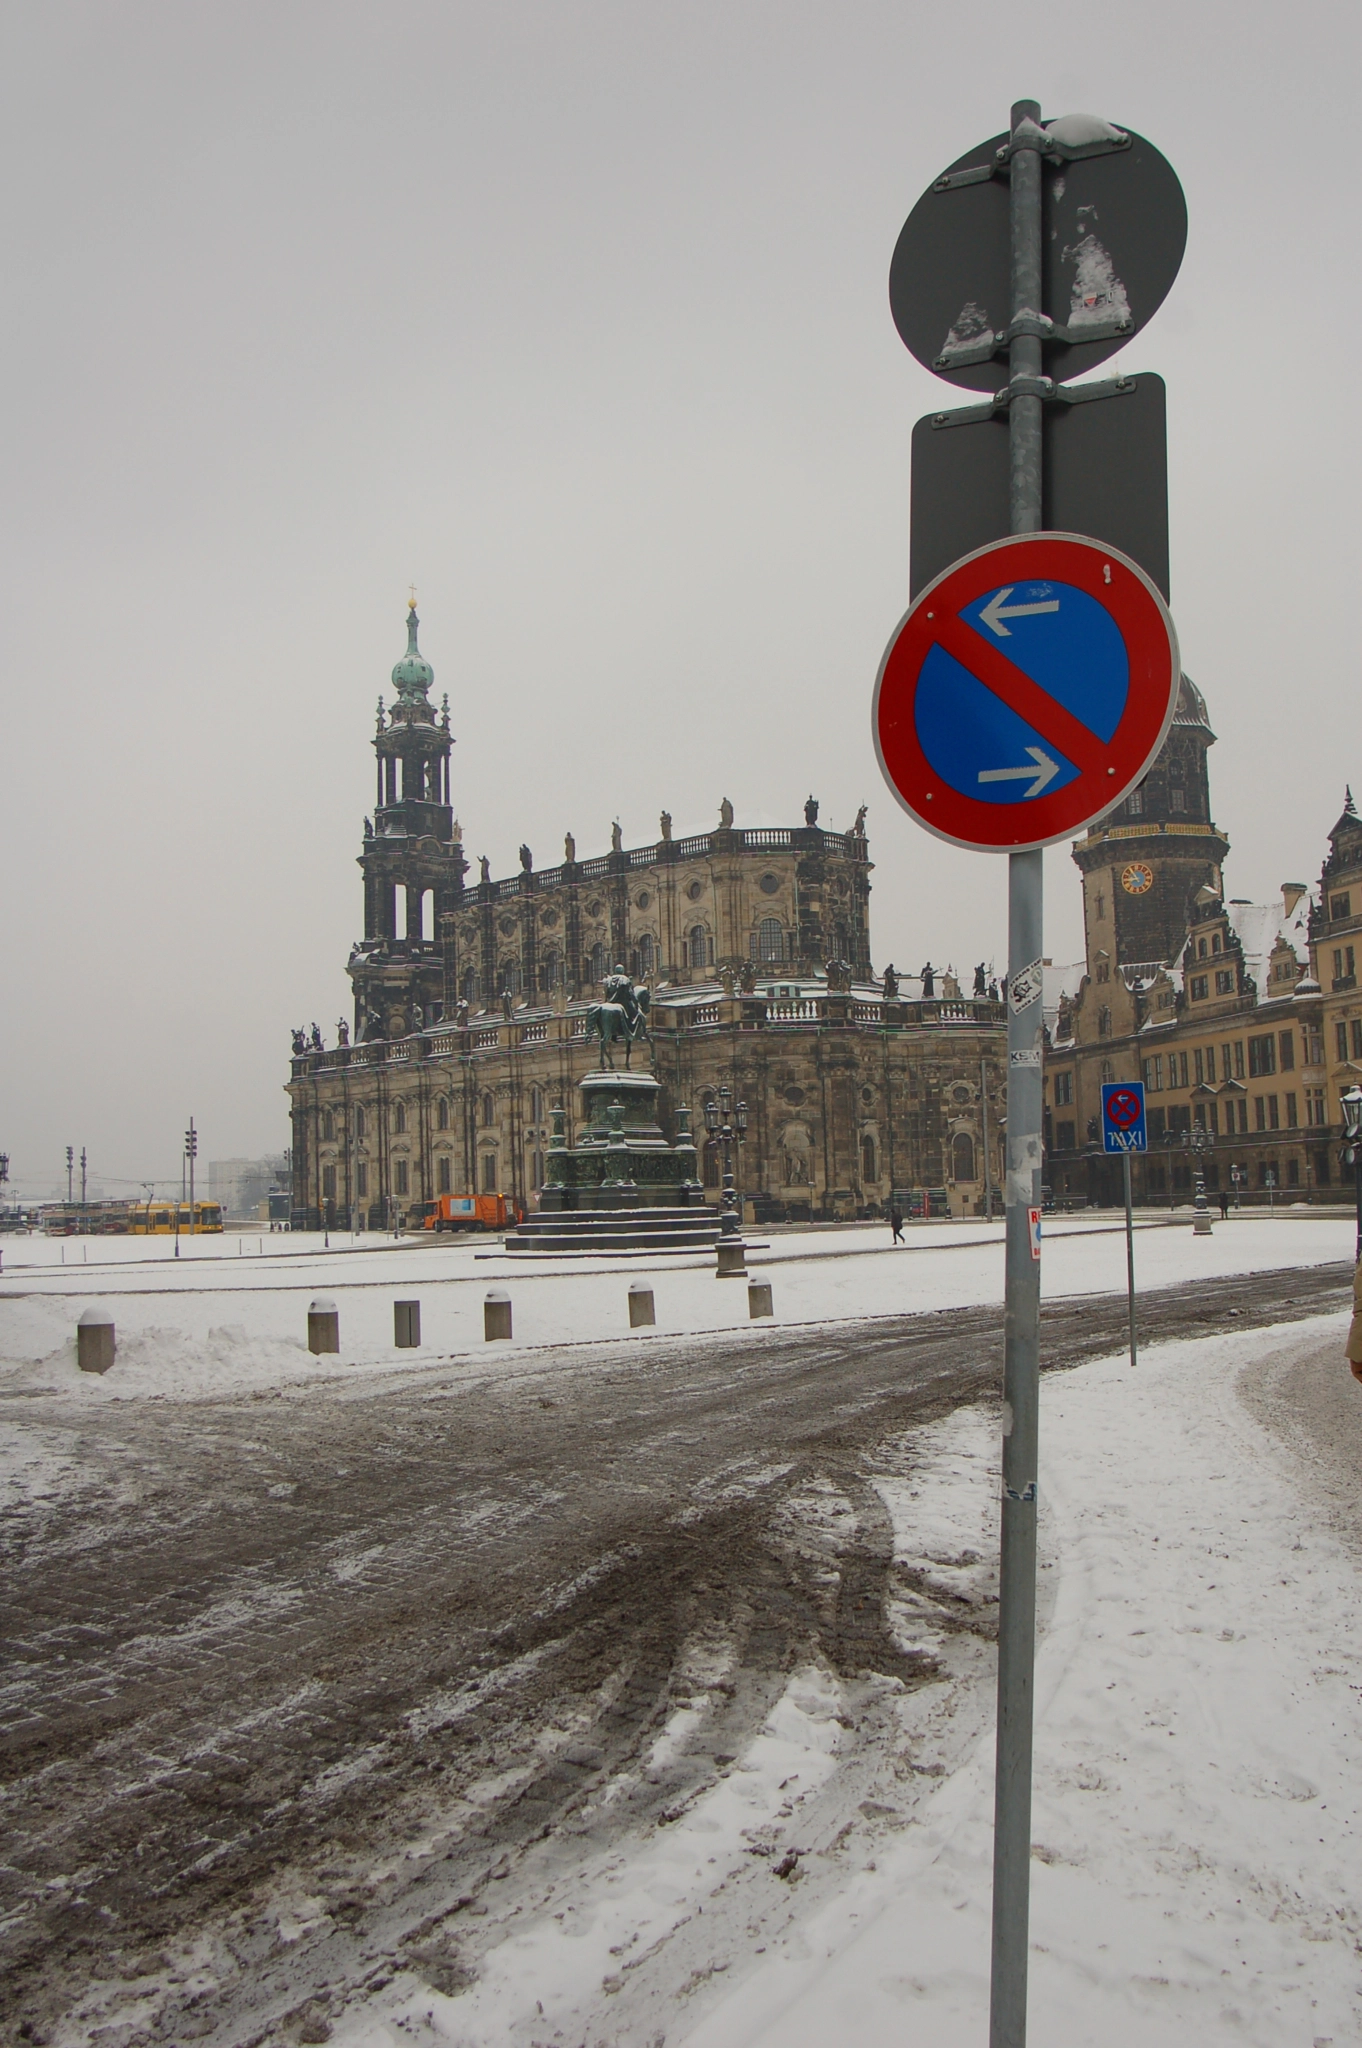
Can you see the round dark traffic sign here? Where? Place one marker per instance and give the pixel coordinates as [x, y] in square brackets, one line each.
[1114, 231]
[1124, 1108]
[1025, 692]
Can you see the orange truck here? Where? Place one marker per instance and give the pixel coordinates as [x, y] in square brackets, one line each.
[469, 1212]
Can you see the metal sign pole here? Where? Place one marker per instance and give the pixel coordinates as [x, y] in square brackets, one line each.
[1130, 1256]
[1021, 1358]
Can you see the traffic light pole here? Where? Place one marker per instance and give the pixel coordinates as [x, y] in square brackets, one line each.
[1021, 1354]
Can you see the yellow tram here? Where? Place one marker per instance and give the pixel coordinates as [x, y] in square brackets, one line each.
[158, 1219]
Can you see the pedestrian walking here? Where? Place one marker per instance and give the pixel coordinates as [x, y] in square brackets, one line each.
[1354, 1347]
[1224, 1205]
[896, 1221]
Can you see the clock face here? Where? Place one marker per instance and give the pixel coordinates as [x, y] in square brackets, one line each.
[1136, 878]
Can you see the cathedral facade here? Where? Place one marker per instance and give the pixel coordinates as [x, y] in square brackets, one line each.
[470, 997]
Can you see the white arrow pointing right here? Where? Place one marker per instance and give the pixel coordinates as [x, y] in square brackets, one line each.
[994, 613]
[1040, 768]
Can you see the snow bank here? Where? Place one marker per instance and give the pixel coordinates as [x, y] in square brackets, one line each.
[218, 1323]
[1198, 1756]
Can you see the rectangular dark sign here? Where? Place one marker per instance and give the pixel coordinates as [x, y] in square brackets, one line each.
[1105, 475]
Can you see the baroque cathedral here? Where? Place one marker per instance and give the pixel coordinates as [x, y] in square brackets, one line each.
[471, 993]
[470, 1008]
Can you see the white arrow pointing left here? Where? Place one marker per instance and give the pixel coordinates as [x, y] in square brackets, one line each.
[997, 609]
[1040, 768]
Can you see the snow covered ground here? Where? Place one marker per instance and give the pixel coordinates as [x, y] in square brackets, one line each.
[1198, 1763]
[231, 1314]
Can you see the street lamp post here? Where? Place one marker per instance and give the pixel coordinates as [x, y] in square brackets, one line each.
[727, 1121]
[1351, 1105]
[1199, 1140]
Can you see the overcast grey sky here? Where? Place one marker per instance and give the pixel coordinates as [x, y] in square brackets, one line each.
[576, 316]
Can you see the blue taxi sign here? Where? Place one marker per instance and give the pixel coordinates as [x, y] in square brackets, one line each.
[1123, 1124]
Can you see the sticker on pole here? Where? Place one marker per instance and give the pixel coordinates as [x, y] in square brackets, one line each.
[1123, 1124]
[1025, 692]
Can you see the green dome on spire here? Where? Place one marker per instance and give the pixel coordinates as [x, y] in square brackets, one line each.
[413, 675]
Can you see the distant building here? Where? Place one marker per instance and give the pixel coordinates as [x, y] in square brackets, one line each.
[241, 1185]
[1242, 1019]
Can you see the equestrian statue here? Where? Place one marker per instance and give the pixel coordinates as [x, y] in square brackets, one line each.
[623, 1013]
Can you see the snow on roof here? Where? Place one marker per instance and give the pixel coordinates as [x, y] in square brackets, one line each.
[1258, 926]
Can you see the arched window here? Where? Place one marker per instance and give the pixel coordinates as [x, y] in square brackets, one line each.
[597, 962]
[647, 954]
[711, 1165]
[489, 1107]
[1104, 1024]
[870, 1169]
[359, 1119]
[771, 940]
[469, 987]
[403, 1185]
[701, 947]
[328, 1128]
[442, 1186]
[509, 977]
[962, 1156]
[399, 1118]
[442, 1114]
[489, 1173]
[549, 973]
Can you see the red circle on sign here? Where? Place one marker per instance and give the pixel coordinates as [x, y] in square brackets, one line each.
[1107, 769]
[1123, 1109]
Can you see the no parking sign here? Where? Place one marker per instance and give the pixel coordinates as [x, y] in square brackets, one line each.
[1123, 1124]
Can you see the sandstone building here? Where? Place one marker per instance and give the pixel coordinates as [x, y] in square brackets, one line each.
[1242, 1019]
[470, 999]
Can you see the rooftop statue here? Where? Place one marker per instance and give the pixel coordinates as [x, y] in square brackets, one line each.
[622, 1013]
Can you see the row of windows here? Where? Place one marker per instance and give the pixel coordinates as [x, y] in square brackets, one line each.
[444, 1115]
[1267, 1113]
[768, 947]
[1224, 984]
[1266, 1054]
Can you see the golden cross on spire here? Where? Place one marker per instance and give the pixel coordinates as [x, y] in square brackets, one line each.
[411, 601]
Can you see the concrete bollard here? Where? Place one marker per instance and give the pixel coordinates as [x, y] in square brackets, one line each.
[323, 1324]
[95, 1340]
[496, 1314]
[731, 1263]
[641, 1310]
[406, 1324]
[759, 1298]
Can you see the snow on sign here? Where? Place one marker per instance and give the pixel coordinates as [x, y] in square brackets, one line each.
[1025, 692]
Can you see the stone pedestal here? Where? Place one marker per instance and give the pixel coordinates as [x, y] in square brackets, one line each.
[621, 1159]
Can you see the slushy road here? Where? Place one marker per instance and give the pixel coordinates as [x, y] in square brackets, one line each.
[246, 1635]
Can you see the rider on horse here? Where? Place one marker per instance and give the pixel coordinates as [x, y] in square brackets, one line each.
[622, 1014]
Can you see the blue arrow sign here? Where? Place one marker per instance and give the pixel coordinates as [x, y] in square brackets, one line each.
[1123, 1124]
[1065, 642]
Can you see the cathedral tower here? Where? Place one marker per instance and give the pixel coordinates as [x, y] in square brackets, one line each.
[1144, 863]
[413, 862]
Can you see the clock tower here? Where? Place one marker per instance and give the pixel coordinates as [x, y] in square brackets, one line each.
[1144, 863]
